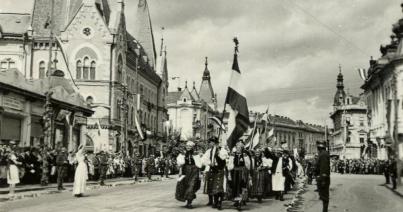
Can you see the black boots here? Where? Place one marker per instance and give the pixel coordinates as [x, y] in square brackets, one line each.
[217, 202]
[281, 196]
[210, 200]
[189, 204]
[325, 206]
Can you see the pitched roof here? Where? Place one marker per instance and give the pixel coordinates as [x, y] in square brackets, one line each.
[173, 97]
[41, 16]
[14, 23]
[144, 32]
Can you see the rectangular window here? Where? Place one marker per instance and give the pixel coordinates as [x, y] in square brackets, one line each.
[362, 140]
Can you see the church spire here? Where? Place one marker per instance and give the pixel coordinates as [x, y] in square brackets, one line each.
[206, 73]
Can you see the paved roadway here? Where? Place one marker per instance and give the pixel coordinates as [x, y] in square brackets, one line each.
[356, 193]
[150, 197]
[349, 193]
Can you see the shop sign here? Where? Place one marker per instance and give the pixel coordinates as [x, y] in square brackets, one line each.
[80, 120]
[12, 103]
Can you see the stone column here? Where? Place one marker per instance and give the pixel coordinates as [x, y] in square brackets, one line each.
[83, 134]
[26, 126]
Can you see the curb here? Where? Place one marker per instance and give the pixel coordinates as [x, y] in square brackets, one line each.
[94, 186]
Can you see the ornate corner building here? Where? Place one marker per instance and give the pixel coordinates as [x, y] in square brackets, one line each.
[189, 110]
[116, 72]
[349, 138]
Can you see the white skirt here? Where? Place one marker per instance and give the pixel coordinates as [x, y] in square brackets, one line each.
[12, 175]
[80, 179]
[278, 182]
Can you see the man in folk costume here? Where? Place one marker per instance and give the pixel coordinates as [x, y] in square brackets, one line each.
[239, 165]
[189, 181]
[279, 173]
[287, 171]
[215, 162]
[260, 166]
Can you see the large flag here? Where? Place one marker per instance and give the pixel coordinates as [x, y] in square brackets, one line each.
[236, 104]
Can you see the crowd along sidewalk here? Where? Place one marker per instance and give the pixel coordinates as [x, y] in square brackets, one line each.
[399, 189]
[31, 191]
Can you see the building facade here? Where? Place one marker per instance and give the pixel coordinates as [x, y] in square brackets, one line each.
[189, 110]
[349, 138]
[383, 90]
[22, 112]
[111, 68]
[296, 135]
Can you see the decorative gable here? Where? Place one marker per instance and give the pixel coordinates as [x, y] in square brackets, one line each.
[87, 23]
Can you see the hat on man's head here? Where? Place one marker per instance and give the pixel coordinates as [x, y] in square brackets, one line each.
[320, 144]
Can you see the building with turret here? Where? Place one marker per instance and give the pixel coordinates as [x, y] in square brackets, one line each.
[114, 70]
[189, 110]
[383, 92]
[348, 139]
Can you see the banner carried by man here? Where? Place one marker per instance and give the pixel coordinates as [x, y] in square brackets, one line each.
[236, 104]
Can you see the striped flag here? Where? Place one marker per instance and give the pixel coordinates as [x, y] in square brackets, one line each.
[236, 104]
[363, 73]
[218, 122]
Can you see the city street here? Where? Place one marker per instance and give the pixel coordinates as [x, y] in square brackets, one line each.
[156, 196]
[356, 193]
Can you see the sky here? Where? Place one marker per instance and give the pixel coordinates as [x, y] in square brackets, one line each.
[290, 50]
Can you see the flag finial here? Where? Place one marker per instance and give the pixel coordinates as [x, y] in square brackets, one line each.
[236, 44]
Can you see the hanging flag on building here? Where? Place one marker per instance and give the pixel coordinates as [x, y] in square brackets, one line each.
[236, 103]
[363, 73]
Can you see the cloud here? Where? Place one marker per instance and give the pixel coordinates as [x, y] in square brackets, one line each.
[289, 50]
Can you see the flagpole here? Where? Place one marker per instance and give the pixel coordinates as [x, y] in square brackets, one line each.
[225, 103]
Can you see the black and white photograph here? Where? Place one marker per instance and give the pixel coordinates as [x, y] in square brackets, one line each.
[201, 105]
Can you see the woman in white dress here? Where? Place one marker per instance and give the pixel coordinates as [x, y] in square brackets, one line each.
[13, 177]
[81, 174]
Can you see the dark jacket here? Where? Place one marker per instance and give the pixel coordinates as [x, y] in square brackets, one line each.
[323, 164]
[62, 159]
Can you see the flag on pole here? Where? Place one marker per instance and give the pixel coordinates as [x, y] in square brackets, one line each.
[363, 73]
[218, 122]
[98, 126]
[255, 139]
[236, 104]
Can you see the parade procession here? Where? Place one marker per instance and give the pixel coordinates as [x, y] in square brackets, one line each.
[156, 105]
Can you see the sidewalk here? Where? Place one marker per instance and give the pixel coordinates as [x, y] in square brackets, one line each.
[27, 191]
[398, 191]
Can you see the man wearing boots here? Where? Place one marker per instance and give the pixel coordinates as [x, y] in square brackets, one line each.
[323, 174]
[61, 163]
[215, 160]
[103, 166]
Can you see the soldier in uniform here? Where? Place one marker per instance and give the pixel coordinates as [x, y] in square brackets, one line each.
[137, 164]
[103, 166]
[323, 174]
[150, 166]
[61, 162]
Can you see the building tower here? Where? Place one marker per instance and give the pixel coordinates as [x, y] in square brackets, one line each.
[340, 95]
[206, 92]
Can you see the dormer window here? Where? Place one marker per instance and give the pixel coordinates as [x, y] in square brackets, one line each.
[184, 99]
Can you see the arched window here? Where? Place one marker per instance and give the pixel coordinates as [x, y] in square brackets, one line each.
[79, 67]
[86, 67]
[120, 69]
[42, 68]
[92, 70]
